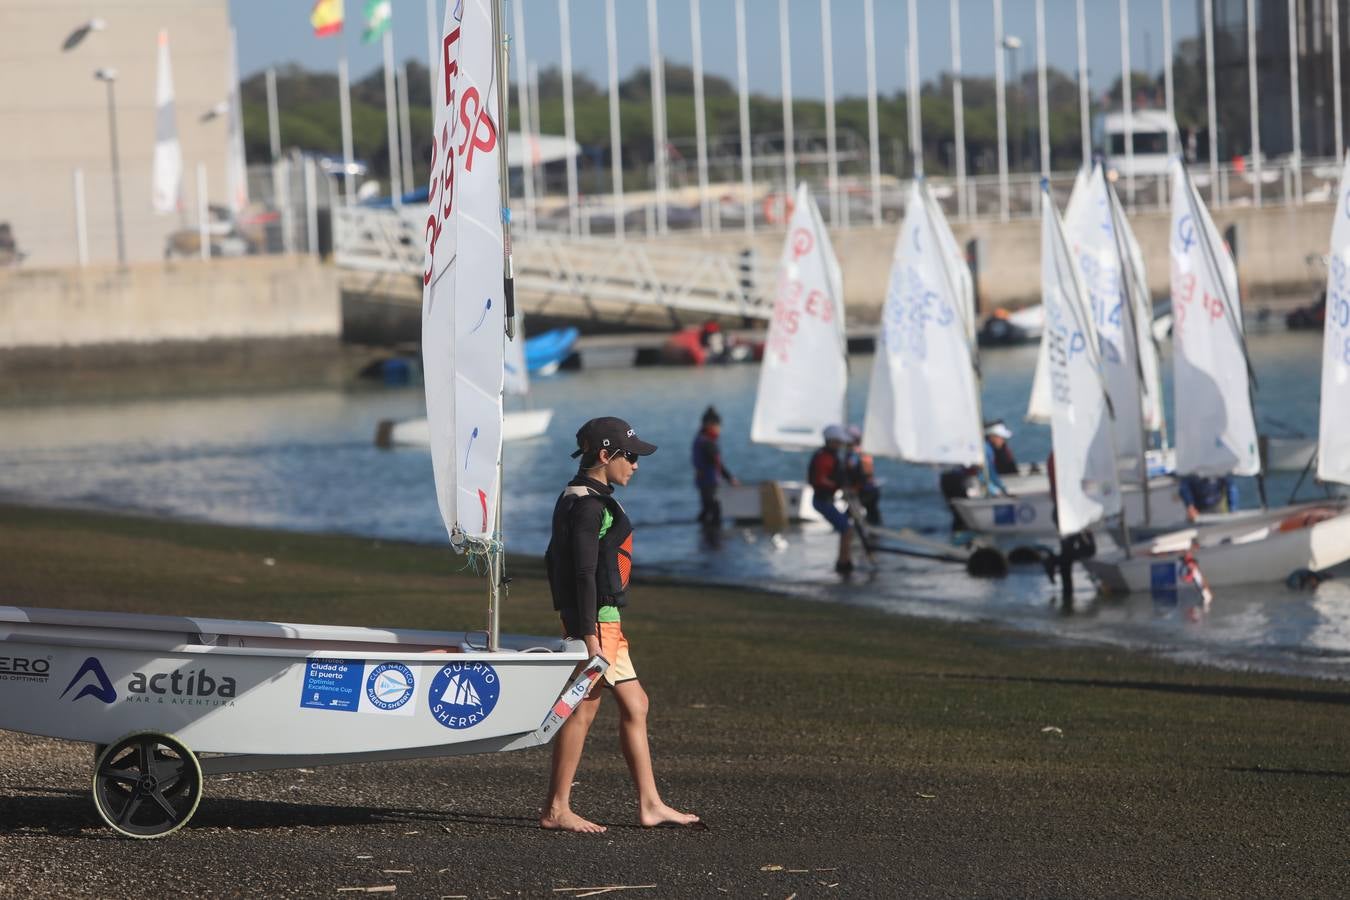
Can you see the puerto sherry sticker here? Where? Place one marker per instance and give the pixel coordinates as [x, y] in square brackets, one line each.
[389, 687]
[462, 694]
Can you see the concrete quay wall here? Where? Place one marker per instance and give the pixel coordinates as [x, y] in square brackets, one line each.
[1274, 245]
[194, 300]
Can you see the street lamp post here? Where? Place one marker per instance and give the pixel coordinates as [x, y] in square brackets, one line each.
[109, 77]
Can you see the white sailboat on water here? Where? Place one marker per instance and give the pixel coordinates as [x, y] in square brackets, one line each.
[804, 374]
[1216, 432]
[166, 180]
[310, 694]
[1119, 318]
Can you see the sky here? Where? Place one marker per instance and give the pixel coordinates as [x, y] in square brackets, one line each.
[272, 33]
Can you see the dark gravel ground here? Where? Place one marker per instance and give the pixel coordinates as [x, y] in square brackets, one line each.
[834, 752]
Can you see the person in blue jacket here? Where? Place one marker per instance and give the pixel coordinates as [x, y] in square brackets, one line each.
[709, 470]
[1204, 494]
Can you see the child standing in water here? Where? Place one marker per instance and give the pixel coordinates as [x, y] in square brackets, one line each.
[589, 559]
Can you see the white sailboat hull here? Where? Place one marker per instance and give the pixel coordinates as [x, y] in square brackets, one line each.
[273, 688]
[1261, 548]
[1030, 512]
[742, 502]
[520, 425]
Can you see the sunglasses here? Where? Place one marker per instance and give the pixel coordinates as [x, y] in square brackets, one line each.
[626, 454]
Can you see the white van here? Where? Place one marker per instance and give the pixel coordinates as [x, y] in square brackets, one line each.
[1149, 130]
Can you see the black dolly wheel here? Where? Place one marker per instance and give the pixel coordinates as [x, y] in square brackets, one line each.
[147, 785]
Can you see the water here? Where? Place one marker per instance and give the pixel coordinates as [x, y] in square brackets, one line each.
[305, 460]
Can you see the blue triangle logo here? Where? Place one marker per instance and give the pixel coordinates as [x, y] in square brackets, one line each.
[97, 685]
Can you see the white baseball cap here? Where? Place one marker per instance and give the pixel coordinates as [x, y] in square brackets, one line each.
[836, 433]
[998, 429]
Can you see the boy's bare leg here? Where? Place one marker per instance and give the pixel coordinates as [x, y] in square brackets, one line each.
[567, 746]
[652, 810]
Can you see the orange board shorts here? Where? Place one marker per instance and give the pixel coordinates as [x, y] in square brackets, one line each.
[614, 647]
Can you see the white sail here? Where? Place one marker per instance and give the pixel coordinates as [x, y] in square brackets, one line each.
[461, 692]
[517, 375]
[1333, 436]
[166, 179]
[236, 171]
[1085, 466]
[462, 296]
[1146, 346]
[923, 403]
[1090, 229]
[1038, 406]
[805, 370]
[1215, 429]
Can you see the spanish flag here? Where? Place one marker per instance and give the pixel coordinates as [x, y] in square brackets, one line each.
[326, 17]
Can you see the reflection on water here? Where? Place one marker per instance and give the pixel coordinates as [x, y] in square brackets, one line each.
[306, 460]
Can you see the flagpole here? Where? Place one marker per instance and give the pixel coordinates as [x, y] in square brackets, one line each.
[743, 90]
[433, 43]
[569, 123]
[1041, 90]
[1127, 98]
[1167, 81]
[523, 101]
[345, 108]
[912, 76]
[1252, 102]
[1207, 6]
[657, 75]
[785, 74]
[405, 127]
[1336, 80]
[831, 153]
[1295, 126]
[700, 117]
[958, 108]
[391, 115]
[1000, 112]
[1084, 108]
[873, 151]
[615, 136]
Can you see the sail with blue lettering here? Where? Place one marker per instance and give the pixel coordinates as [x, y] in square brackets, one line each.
[1333, 437]
[462, 296]
[1038, 406]
[923, 404]
[804, 374]
[1089, 227]
[1215, 428]
[1086, 483]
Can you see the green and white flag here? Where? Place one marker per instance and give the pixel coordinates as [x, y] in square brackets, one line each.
[378, 15]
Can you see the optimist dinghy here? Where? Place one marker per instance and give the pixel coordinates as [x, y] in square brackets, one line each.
[804, 373]
[155, 692]
[1217, 433]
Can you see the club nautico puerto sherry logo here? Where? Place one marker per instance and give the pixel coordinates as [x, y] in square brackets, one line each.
[463, 694]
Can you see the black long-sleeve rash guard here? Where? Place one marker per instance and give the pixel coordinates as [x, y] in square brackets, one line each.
[586, 570]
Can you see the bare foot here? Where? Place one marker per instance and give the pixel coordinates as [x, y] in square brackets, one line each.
[567, 820]
[660, 814]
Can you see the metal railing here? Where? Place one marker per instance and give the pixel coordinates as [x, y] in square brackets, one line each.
[606, 277]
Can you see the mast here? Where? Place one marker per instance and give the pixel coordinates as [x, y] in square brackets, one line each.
[1232, 309]
[1127, 302]
[497, 581]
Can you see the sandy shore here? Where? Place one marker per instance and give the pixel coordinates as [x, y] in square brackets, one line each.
[834, 751]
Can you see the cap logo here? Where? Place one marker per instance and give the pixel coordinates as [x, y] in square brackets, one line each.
[605, 442]
[631, 432]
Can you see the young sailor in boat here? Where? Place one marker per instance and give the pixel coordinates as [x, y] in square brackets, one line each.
[1203, 494]
[827, 476]
[998, 455]
[589, 560]
[709, 470]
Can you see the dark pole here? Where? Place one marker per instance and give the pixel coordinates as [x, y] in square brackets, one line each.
[116, 174]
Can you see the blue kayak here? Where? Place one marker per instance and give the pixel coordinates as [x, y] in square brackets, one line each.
[545, 352]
